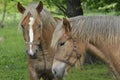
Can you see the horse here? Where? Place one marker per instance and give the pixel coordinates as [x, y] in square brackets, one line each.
[97, 34]
[38, 26]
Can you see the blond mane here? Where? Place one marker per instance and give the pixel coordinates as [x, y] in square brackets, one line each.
[104, 29]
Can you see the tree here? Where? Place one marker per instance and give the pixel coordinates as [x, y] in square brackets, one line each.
[74, 8]
[4, 12]
[70, 8]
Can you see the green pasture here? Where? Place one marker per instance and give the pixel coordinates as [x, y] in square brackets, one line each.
[13, 60]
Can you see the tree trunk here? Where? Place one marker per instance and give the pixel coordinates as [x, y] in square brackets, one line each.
[74, 8]
[4, 12]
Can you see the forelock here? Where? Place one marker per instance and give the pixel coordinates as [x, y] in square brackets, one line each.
[58, 33]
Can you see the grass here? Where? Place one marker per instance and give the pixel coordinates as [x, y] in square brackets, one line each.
[13, 60]
[90, 72]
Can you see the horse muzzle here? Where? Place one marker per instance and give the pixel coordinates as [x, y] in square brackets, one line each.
[58, 69]
[32, 53]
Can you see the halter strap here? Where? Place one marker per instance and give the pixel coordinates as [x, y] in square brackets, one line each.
[32, 43]
[74, 50]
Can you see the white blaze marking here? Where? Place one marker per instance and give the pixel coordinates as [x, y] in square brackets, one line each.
[31, 33]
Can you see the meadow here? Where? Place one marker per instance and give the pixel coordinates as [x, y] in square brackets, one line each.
[13, 59]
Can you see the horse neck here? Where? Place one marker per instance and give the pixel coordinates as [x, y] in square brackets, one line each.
[47, 31]
[97, 52]
[47, 34]
[81, 46]
[84, 46]
[46, 40]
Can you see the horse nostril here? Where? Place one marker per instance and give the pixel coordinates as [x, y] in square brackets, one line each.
[36, 50]
[54, 72]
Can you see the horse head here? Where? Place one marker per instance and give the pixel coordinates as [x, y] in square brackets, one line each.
[67, 50]
[31, 25]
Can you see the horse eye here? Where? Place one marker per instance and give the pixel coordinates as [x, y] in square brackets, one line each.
[62, 43]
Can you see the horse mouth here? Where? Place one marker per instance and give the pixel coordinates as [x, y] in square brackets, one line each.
[32, 56]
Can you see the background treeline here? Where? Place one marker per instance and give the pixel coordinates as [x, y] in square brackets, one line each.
[68, 8]
[61, 5]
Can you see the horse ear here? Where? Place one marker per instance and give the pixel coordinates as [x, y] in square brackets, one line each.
[39, 7]
[20, 8]
[66, 24]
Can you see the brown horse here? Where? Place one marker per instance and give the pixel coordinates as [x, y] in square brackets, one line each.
[38, 26]
[98, 34]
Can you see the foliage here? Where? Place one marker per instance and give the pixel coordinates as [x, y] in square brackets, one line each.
[91, 5]
[102, 5]
[107, 7]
